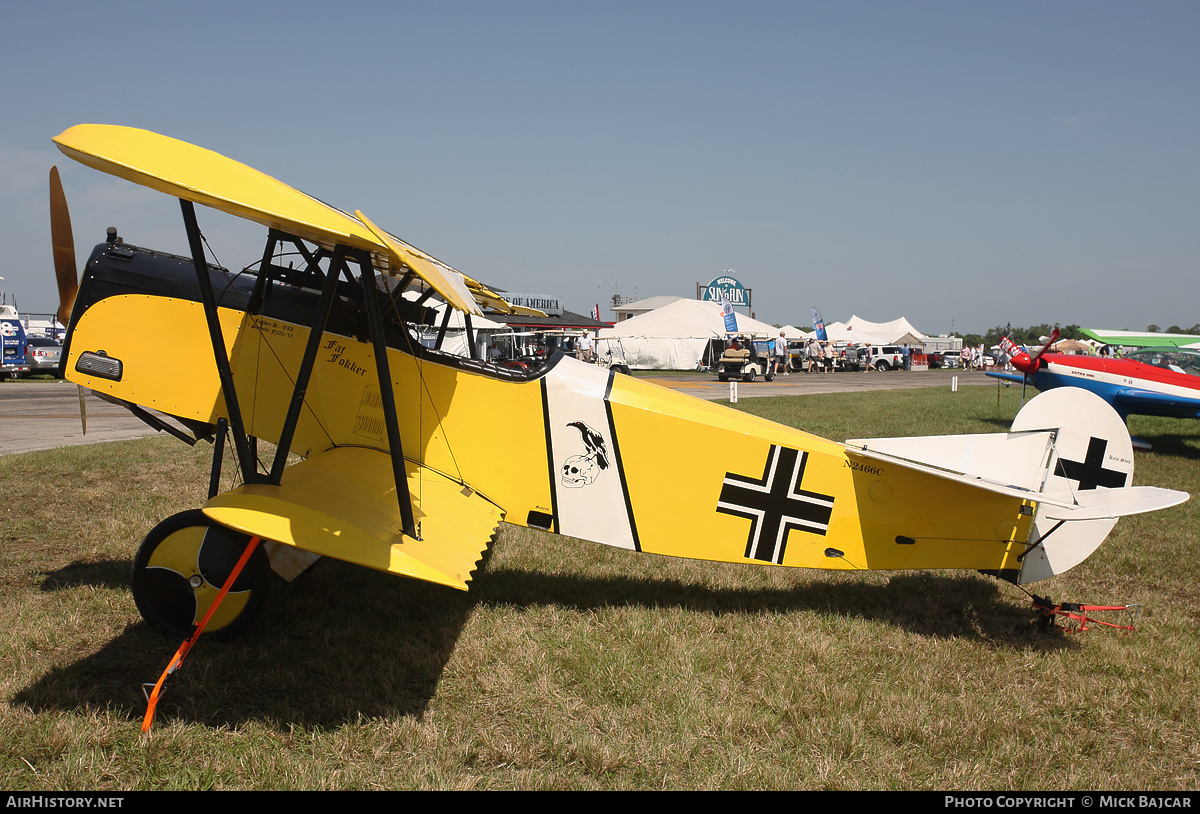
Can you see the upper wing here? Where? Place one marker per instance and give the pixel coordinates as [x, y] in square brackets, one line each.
[449, 283]
[204, 177]
[486, 296]
[1159, 403]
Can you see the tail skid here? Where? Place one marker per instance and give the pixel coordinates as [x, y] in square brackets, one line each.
[1068, 451]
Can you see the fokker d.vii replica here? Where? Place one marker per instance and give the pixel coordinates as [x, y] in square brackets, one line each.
[1162, 381]
[410, 457]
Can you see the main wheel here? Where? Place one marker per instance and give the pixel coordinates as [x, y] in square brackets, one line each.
[180, 568]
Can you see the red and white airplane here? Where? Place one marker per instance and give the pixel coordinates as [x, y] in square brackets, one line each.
[1153, 381]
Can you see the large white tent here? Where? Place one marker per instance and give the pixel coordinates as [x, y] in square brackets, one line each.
[675, 336]
[860, 331]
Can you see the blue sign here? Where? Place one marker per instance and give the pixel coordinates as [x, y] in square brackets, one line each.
[819, 326]
[730, 316]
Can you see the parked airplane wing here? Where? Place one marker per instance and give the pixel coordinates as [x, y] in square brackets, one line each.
[1138, 400]
[342, 503]
[205, 177]
[195, 174]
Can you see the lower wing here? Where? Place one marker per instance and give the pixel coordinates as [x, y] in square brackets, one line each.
[342, 503]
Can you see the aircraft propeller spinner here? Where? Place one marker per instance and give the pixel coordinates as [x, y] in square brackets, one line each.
[1023, 362]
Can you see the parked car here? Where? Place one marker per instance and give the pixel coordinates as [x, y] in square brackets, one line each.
[882, 357]
[42, 354]
[850, 357]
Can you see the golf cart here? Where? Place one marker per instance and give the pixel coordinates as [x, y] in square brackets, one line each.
[745, 359]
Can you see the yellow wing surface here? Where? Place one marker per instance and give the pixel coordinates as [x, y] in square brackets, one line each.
[342, 504]
[202, 176]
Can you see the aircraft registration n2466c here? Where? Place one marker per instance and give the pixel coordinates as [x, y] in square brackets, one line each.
[404, 466]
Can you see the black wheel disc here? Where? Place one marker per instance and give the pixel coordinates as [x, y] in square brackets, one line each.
[180, 568]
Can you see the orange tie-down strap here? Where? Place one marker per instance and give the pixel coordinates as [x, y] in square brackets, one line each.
[1080, 613]
[186, 647]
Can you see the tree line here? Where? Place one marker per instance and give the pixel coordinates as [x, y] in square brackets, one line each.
[1034, 333]
[1022, 336]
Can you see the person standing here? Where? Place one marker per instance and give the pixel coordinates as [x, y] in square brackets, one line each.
[781, 355]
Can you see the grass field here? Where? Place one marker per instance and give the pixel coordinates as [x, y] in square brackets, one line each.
[573, 666]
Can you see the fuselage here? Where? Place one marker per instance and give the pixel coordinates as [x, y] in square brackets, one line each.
[569, 448]
[1108, 377]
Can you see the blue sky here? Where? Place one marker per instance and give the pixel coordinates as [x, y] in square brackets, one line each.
[963, 164]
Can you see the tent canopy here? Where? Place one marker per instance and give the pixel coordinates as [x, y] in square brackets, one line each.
[675, 336]
[859, 331]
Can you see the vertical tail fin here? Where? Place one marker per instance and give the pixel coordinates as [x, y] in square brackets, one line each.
[1092, 467]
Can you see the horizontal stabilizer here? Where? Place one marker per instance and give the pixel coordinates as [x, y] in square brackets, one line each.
[1101, 504]
[342, 504]
[1006, 463]
[1015, 378]
[1011, 459]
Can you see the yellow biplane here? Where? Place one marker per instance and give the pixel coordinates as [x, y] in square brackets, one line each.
[315, 349]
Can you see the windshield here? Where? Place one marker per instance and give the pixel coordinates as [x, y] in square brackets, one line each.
[1180, 360]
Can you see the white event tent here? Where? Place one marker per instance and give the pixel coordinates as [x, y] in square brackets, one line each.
[675, 336]
[860, 331]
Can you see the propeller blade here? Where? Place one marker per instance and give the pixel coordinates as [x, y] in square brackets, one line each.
[64, 248]
[1049, 341]
[82, 409]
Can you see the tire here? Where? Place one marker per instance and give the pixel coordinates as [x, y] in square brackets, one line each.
[180, 568]
[748, 376]
[721, 377]
[883, 366]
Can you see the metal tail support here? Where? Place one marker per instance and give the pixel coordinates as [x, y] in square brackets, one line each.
[1079, 613]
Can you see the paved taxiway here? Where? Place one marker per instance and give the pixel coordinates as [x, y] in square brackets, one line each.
[44, 414]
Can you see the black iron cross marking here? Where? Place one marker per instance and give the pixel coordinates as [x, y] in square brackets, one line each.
[1091, 472]
[775, 504]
